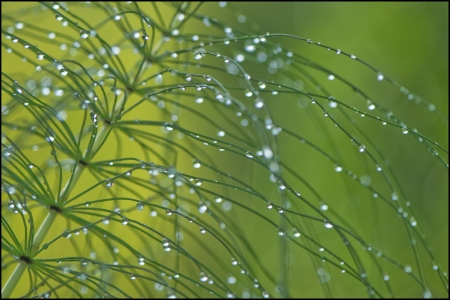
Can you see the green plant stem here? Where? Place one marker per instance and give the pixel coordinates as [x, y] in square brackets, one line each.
[42, 231]
[14, 279]
[47, 224]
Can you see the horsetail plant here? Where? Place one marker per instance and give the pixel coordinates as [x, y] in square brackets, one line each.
[153, 150]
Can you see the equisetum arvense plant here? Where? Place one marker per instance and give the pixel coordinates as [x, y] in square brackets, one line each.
[157, 150]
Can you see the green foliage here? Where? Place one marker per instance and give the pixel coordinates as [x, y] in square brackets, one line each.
[158, 150]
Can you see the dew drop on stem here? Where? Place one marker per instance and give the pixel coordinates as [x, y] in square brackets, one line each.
[84, 34]
[109, 183]
[196, 164]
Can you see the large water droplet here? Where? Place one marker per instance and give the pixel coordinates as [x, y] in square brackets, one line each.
[202, 208]
[84, 34]
[203, 277]
[328, 225]
[109, 183]
[6, 152]
[267, 152]
[196, 164]
[198, 55]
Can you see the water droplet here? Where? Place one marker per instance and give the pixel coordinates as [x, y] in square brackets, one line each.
[58, 17]
[380, 77]
[196, 164]
[267, 152]
[280, 232]
[248, 93]
[124, 221]
[331, 77]
[199, 100]
[218, 199]
[6, 152]
[324, 207]
[328, 225]
[203, 277]
[198, 55]
[66, 234]
[379, 169]
[84, 34]
[296, 232]
[188, 77]
[132, 276]
[109, 183]
[198, 182]
[165, 242]
[234, 262]
[259, 102]
[249, 154]
[408, 269]
[169, 212]
[404, 130]
[169, 126]
[362, 148]
[338, 51]
[309, 41]
[202, 208]
[265, 294]
[202, 230]
[140, 206]
[269, 205]
[220, 97]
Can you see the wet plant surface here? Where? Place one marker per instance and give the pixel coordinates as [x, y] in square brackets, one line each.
[153, 150]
